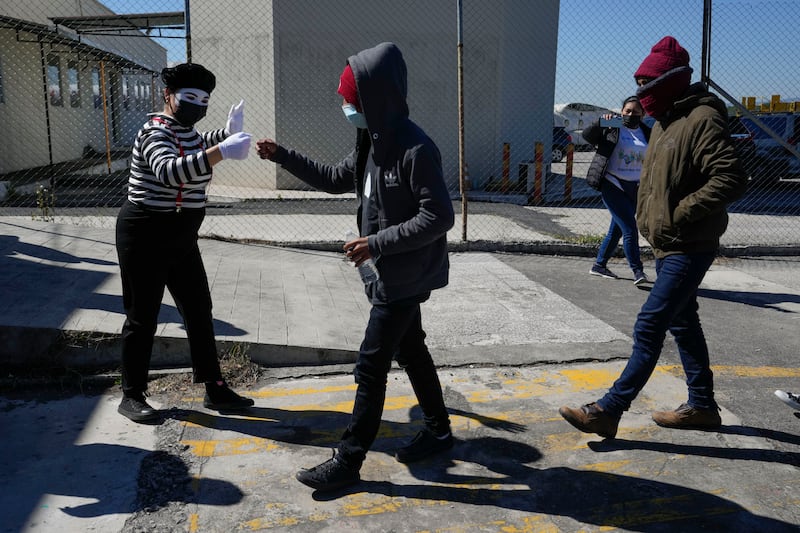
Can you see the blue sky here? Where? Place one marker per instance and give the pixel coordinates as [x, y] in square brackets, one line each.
[602, 42]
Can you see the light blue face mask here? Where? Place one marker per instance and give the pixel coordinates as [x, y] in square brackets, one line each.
[354, 117]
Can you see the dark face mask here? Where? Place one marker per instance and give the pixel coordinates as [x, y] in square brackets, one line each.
[631, 121]
[188, 113]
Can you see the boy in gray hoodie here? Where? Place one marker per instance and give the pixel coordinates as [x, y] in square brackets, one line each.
[404, 213]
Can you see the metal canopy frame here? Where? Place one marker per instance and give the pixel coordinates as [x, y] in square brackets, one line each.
[152, 24]
[46, 34]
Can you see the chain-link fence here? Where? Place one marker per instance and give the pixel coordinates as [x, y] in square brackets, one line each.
[78, 77]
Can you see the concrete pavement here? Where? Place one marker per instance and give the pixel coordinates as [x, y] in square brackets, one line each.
[511, 350]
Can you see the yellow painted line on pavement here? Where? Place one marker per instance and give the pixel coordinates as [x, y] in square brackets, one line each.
[249, 445]
[547, 382]
[739, 371]
[217, 448]
[630, 514]
[280, 392]
[194, 523]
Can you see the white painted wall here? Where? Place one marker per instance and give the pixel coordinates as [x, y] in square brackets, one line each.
[285, 56]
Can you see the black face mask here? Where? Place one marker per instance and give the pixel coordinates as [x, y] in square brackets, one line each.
[188, 113]
[631, 121]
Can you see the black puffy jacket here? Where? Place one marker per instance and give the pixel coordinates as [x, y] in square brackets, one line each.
[605, 139]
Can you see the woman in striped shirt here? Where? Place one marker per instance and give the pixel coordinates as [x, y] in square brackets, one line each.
[156, 235]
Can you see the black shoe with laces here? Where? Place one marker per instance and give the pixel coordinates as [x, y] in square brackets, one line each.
[136, 408]
[331, 475]
[423, 445]
[222, 398]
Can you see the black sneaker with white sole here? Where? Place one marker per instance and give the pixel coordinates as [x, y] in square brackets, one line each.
[603, 272]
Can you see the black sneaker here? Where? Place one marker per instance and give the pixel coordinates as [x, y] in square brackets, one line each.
[331, 475]
[222, 398]
[136, 408]
[640, 278]
[423, 445]
[603, 272]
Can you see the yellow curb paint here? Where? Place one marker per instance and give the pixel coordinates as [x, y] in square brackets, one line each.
[201, 448]
[194, 523]
[219, 448]
[607, 466]
[579, 378]
[582, 379]
[739, 371]
[285, 391]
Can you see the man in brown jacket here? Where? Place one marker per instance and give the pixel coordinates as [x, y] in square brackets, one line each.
[689, 175]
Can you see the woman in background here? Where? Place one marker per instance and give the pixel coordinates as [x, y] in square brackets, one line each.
[614, 171]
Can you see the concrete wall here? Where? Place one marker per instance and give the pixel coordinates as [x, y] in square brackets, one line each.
[285, 56]
[237, 45]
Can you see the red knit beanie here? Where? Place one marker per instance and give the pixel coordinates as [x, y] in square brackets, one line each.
[347, 86]
[666, 55]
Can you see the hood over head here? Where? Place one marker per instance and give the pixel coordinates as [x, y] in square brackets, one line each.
[382, 82]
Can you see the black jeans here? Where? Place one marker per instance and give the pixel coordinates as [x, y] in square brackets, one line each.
[394, 331]
[156, 251]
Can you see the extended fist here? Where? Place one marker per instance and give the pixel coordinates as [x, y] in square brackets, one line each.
[237, 146]
[266, 149]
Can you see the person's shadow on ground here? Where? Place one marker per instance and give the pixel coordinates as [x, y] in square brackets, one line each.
[88, 472]
[766, 300]
[600, 498]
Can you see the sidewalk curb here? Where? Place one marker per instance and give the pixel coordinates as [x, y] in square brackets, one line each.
[51, 347]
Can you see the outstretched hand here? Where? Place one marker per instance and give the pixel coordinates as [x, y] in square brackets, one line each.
[237, 146]
[266, 149]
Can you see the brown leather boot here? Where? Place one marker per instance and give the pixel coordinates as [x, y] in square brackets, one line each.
[688, 417]
[590, 418]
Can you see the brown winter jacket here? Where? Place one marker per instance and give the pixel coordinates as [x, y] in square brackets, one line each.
[689, 175]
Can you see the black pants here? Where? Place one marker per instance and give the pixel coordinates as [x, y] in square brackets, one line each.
[158, 250]
[394, 331]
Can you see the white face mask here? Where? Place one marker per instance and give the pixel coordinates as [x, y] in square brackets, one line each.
[354, 117]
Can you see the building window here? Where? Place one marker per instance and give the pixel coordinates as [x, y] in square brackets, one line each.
[148, 102]
[54, 80]
[128, 91]
[73, 80]
[98, 102]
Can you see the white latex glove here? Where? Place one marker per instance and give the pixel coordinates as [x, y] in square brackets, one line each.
[235, 122]
[237, 146]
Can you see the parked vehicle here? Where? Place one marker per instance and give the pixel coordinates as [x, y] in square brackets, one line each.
[560, 141]
[744, 145]
[771, 161]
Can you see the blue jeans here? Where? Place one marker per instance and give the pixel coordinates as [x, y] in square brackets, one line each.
[672, 305]
[622, 206]
[394, 331]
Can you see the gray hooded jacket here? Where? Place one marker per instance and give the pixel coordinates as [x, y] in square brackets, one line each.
[408, 212]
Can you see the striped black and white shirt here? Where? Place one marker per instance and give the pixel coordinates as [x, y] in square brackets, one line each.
[169, 166]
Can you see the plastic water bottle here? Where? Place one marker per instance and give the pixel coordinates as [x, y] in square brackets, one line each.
[367, 269]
